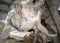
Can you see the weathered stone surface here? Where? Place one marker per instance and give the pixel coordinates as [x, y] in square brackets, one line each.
[8, 1]
[50, 22]
[3, 7]
[53, 6]
[20, 35]
[11, 41]
[1, 29]
[3, 15]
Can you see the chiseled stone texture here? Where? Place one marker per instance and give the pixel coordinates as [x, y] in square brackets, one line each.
[11, 41]
[1, 28]
[2, 17]
[20, 35]
[53, 5]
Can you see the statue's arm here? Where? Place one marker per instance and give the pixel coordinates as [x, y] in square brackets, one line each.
[8, 27]
[8, 18]
[8, 21]
[40, 27]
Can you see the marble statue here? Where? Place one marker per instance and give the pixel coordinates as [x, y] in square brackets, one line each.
[24, 16]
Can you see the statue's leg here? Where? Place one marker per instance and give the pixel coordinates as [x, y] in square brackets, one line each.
[44, 38]
[6, 32]
[35, 34]
[34, 40]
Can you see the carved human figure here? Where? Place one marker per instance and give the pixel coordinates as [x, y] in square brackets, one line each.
[23, 17]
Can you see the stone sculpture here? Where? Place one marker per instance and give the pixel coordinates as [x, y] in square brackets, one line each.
[24, 16]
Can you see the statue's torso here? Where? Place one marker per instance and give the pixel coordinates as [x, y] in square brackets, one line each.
[26, 21]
